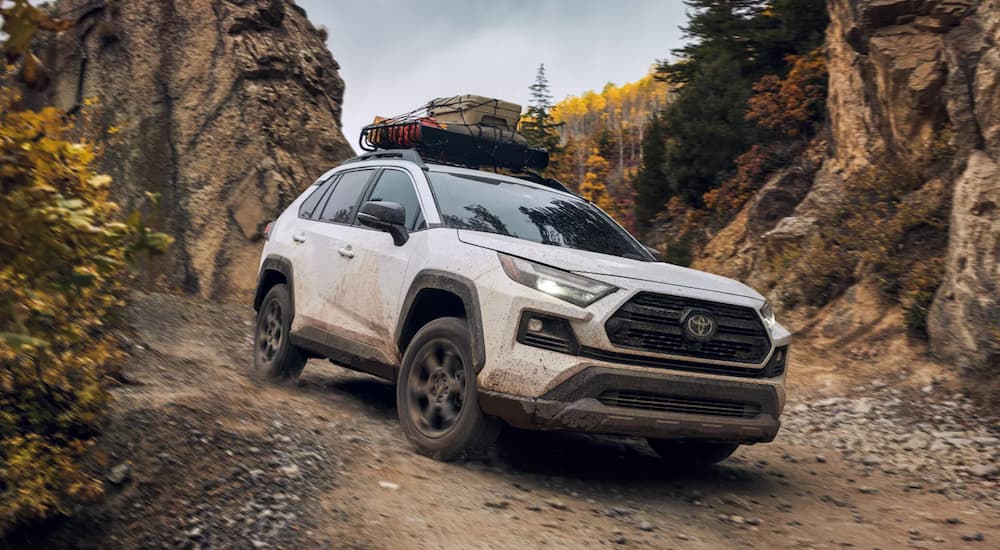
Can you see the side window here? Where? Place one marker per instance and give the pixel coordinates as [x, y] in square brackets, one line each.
[308, 207]
[397, 186]
[343, 201]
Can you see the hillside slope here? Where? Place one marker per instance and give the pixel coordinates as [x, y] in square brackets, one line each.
[914, 125]
[227, 108]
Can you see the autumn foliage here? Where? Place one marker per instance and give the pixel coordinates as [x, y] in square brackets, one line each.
[593, 187]
[791, 106]
[788, 111]
[64, 254]
[602, 135]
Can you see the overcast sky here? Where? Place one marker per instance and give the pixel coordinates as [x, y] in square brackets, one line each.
[395, 55]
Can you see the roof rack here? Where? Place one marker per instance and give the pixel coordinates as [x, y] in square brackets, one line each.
[470, 131]
[401, 154]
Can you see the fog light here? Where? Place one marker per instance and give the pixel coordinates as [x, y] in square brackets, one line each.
[542, 330]
[776, 366]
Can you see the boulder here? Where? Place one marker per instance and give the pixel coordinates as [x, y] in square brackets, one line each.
[779, 196]
[790, 230]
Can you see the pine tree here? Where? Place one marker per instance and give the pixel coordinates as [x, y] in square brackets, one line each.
[716, 28]
[789, 27]
[650, 184]
[731, 45]
[707, 130]
[538, 126]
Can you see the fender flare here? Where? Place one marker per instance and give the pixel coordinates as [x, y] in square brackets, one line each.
[278, 264]
[458, 285]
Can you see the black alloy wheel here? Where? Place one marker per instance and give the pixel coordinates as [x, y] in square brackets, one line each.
[273, 352]
[437, 396]
[270, 336]
[437, 388]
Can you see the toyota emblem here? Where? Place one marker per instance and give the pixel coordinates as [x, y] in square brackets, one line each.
[700, 325]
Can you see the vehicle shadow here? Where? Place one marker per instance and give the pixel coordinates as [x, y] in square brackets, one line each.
[369, 395]
[624, 463]
[610, 459]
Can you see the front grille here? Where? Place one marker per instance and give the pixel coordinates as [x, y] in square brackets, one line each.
[666, 403]
[652, 322]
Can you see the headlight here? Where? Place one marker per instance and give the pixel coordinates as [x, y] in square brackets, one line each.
[564, 285]
[767, 312]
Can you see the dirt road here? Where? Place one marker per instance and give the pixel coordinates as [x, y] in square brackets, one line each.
[200, 454]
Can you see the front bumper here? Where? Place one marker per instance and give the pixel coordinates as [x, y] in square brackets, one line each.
[535, 388]
[678, 406]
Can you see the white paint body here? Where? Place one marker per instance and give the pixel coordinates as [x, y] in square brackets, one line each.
[361, 297]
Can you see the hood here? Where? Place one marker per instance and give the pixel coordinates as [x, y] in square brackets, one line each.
[593, 263]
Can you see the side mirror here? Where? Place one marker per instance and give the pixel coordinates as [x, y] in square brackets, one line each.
[386, 216]
[656, 253]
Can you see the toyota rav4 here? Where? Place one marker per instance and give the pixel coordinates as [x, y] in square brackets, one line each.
[490, 299]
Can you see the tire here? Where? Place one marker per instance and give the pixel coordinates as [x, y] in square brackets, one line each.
[274, 356]
[692, 454]
[437, 397]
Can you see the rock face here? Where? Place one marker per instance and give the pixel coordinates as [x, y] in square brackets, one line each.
[916, 82]
[912, 77]
[964, 321]
[891, 84]
[226, 108]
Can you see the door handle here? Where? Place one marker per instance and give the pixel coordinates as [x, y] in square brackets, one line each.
[299, 237]
[346, 252]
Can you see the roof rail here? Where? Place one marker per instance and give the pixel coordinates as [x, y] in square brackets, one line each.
[401, 154]
[535, 177]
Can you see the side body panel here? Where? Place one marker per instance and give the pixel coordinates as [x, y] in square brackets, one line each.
[359, 289]
[281, 248]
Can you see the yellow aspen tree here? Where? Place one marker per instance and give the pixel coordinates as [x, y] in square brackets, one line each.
[593, 187]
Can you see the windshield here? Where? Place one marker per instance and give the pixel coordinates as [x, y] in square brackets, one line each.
[527, 212]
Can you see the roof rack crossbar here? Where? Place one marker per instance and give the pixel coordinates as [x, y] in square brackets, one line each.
[401, 154]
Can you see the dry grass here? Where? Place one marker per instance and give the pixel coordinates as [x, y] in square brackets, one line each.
[889, 227]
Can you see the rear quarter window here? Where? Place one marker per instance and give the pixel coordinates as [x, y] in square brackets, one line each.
[307, 209]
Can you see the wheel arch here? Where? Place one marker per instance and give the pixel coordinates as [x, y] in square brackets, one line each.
[274, 270]
[432, 295]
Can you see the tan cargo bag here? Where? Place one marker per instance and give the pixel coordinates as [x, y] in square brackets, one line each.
[475, 110]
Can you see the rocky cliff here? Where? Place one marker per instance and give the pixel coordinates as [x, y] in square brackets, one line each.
[914, 94]
[226, 108]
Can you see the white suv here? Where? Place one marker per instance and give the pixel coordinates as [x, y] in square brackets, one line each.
[490, 298]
